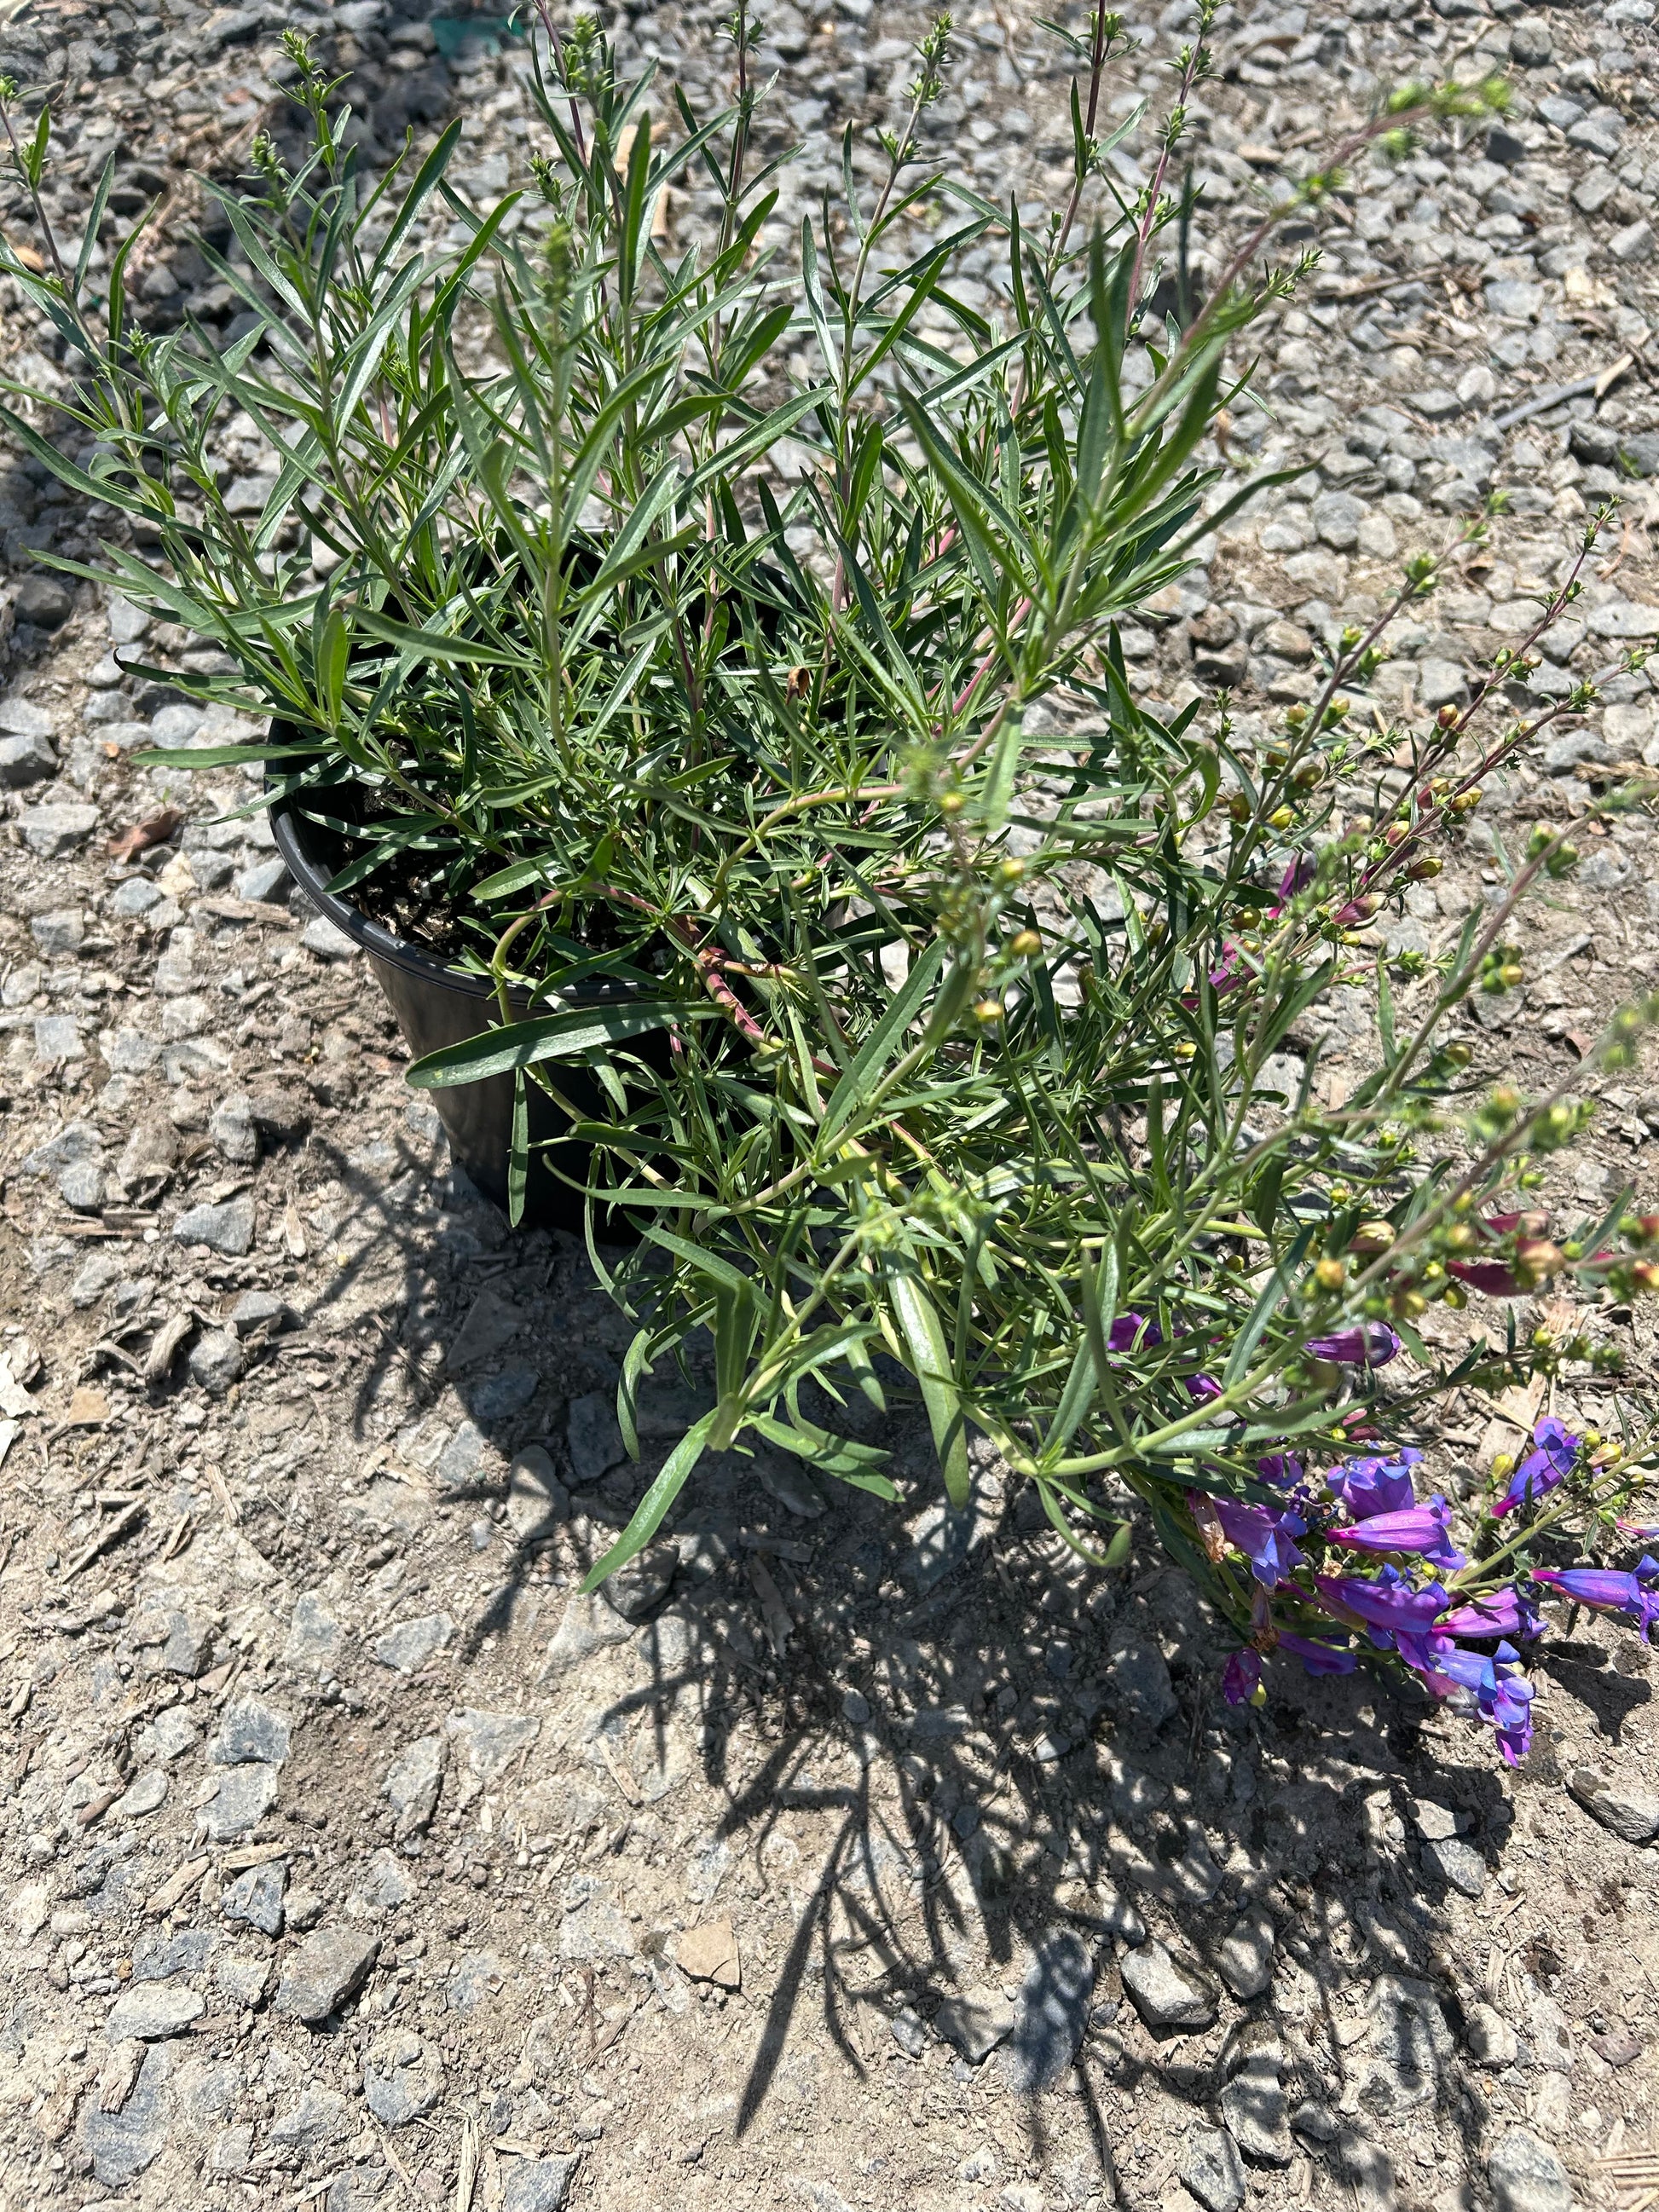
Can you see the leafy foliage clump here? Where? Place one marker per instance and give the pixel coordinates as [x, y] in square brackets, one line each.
[738, 630]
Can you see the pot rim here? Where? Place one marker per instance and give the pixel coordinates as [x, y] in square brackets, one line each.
[288, 827]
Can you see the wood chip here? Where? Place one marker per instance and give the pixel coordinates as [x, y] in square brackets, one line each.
[221, 1489]
[619, 1774]
[121, 2071]
[466, 2179]
[294, 1232]
[95, 1808]
[111, 1534]
[155, 830]
[87, 1409]
[164, 1348]
[779, 1622]
[177, 1886]
[253, 1855]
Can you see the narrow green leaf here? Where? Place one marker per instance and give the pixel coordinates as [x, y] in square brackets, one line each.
[564, 1035]
[648, 1514]
[922, 1333]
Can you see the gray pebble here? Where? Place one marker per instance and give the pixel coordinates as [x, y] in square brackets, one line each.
[217, 1360]
[402, 2077]
[1212, 2171]
[407, 1647]
[152, 2011]
[1051, 2014]
[595, 1441]
[1164, 1992]
[227, 1229]
[256, 1897]
[325, 1972]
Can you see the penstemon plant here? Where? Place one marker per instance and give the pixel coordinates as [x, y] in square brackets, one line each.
[739, 628]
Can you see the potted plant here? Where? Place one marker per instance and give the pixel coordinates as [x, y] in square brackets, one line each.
[695, 674]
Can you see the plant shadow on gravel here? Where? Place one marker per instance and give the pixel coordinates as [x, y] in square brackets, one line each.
[1006, 1762]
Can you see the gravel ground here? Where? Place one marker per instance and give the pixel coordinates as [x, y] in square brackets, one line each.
[349, 1857]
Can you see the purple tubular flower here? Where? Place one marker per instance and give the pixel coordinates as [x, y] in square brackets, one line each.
[1370, 1486]
[1123, 1332]
[1500, 1612]
[1494, 1687]
[1388, 1602]
[1240, 1677]
[1201, 1388]
[1423, 1528]
[1297, 878]
[1369, 1344]
[1264, 1537]
[1636, 1594]
[1283, 1467]
[1549, 1463]
[1317, 1657]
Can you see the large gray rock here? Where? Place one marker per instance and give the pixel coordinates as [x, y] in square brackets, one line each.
[314, 1634]
[537, 1501]
[589, 1625]
[320, 2117]
[1166, 1993]
[1631, 1813]
[1257, 2111]
[1244, 1958]
[325, 1972]
[1526, 2175]
[245, 1795]
[152, 2011]
[216, 1361]
[975, 2022]
[1139, 1682]
[1456, 1862]
[493, 1741]
[251, 1729]
[256, 1897]
[51, 832]
[26, 760]
[406, 1648]
[227, 1229]
[123, 2144]
[1212, 2171]
[1051, 2014]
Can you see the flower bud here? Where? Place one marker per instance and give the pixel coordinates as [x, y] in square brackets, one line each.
[1373, 1236]
[1026, 946]
[989, 1013]
[1330, 1275]
[1537, 1258]
[1012, 869]
[951, 802]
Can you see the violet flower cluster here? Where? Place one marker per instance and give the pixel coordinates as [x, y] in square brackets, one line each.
[1366, 1563]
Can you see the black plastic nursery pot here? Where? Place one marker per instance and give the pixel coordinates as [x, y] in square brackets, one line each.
[437, 1006]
